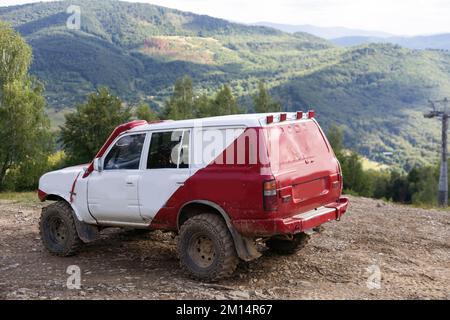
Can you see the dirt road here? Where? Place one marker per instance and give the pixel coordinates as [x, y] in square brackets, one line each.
[377, 251]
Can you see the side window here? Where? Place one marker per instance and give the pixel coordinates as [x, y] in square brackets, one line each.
[184, 153]
[169, 150]
[126, 153]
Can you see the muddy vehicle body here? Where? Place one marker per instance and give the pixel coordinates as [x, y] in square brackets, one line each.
[221, 184]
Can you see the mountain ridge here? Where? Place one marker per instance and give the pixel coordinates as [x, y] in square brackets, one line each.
[436, 41]
[346, 37]
[328, 33]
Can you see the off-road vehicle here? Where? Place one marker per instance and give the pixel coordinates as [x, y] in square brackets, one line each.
[222, 184]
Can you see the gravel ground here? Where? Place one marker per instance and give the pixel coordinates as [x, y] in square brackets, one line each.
[377, 251]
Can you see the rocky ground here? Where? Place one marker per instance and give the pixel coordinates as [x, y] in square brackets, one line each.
[377, 251]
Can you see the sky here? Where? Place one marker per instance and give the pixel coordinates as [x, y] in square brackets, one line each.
[400, 17]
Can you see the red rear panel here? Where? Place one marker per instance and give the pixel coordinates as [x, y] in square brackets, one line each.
[304, 166]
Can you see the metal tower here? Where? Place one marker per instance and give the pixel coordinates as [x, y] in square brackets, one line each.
[443, 113]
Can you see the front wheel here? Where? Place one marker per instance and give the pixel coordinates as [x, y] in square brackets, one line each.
[206, 248]
[58, 231]
[288, 247]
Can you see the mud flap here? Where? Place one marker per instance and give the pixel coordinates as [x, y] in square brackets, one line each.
[86, 232]
[245, 247]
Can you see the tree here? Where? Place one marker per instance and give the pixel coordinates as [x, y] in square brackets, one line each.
[355, 178]
[26, 141]
[145, 112]
[182, 103]
[398, 189]
[224, 103]
[336, 138]
[423, 185]
[204, 107]
[263, 102]
[87, 129]
[380, 184]
[15, 55]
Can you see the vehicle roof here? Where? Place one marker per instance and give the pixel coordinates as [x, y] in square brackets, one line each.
[237, 120]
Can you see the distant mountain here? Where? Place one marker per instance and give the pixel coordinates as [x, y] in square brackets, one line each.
[357, 40]
[377, 92]
[352, 37]
[324, 32]
[439, 41]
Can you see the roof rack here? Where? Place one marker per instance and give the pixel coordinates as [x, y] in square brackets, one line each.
[291, 116]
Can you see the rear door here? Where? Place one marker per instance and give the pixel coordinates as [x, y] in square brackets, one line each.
[167, 167]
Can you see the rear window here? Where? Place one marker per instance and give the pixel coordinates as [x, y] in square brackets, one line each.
[169, 150]
[296, 142]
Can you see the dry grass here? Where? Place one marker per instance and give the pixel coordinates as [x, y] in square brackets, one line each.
[21, 197]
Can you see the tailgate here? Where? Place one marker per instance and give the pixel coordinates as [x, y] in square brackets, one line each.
[304, 166]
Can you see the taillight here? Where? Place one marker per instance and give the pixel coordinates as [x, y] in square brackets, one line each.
[341, 178]
[270, 195]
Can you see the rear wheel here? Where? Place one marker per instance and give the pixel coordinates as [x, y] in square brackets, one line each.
[288, 247]
[206, 248]
[58, 231]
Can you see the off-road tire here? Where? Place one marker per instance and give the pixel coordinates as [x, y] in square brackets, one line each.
[58, 231]
[214, 232]
[288, 247]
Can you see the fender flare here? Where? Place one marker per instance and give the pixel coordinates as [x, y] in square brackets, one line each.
[245, 247]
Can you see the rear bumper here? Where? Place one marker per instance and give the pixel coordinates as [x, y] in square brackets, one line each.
[292, 225]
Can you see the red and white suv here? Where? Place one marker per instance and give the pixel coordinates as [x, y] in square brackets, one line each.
[222, 184]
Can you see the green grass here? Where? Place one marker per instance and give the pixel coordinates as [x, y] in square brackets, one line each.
[373, 165]
[21, 197]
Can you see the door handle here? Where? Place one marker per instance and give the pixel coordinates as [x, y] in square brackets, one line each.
[180, 183]
[131, 181]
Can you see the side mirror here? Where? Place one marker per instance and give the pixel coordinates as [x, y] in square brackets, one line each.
[98, 165]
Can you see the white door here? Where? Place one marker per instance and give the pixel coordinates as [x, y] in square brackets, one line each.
[167, 169]
[113, 192]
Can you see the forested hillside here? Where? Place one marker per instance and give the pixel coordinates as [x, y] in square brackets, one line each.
[377, 92]
[139, 50]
